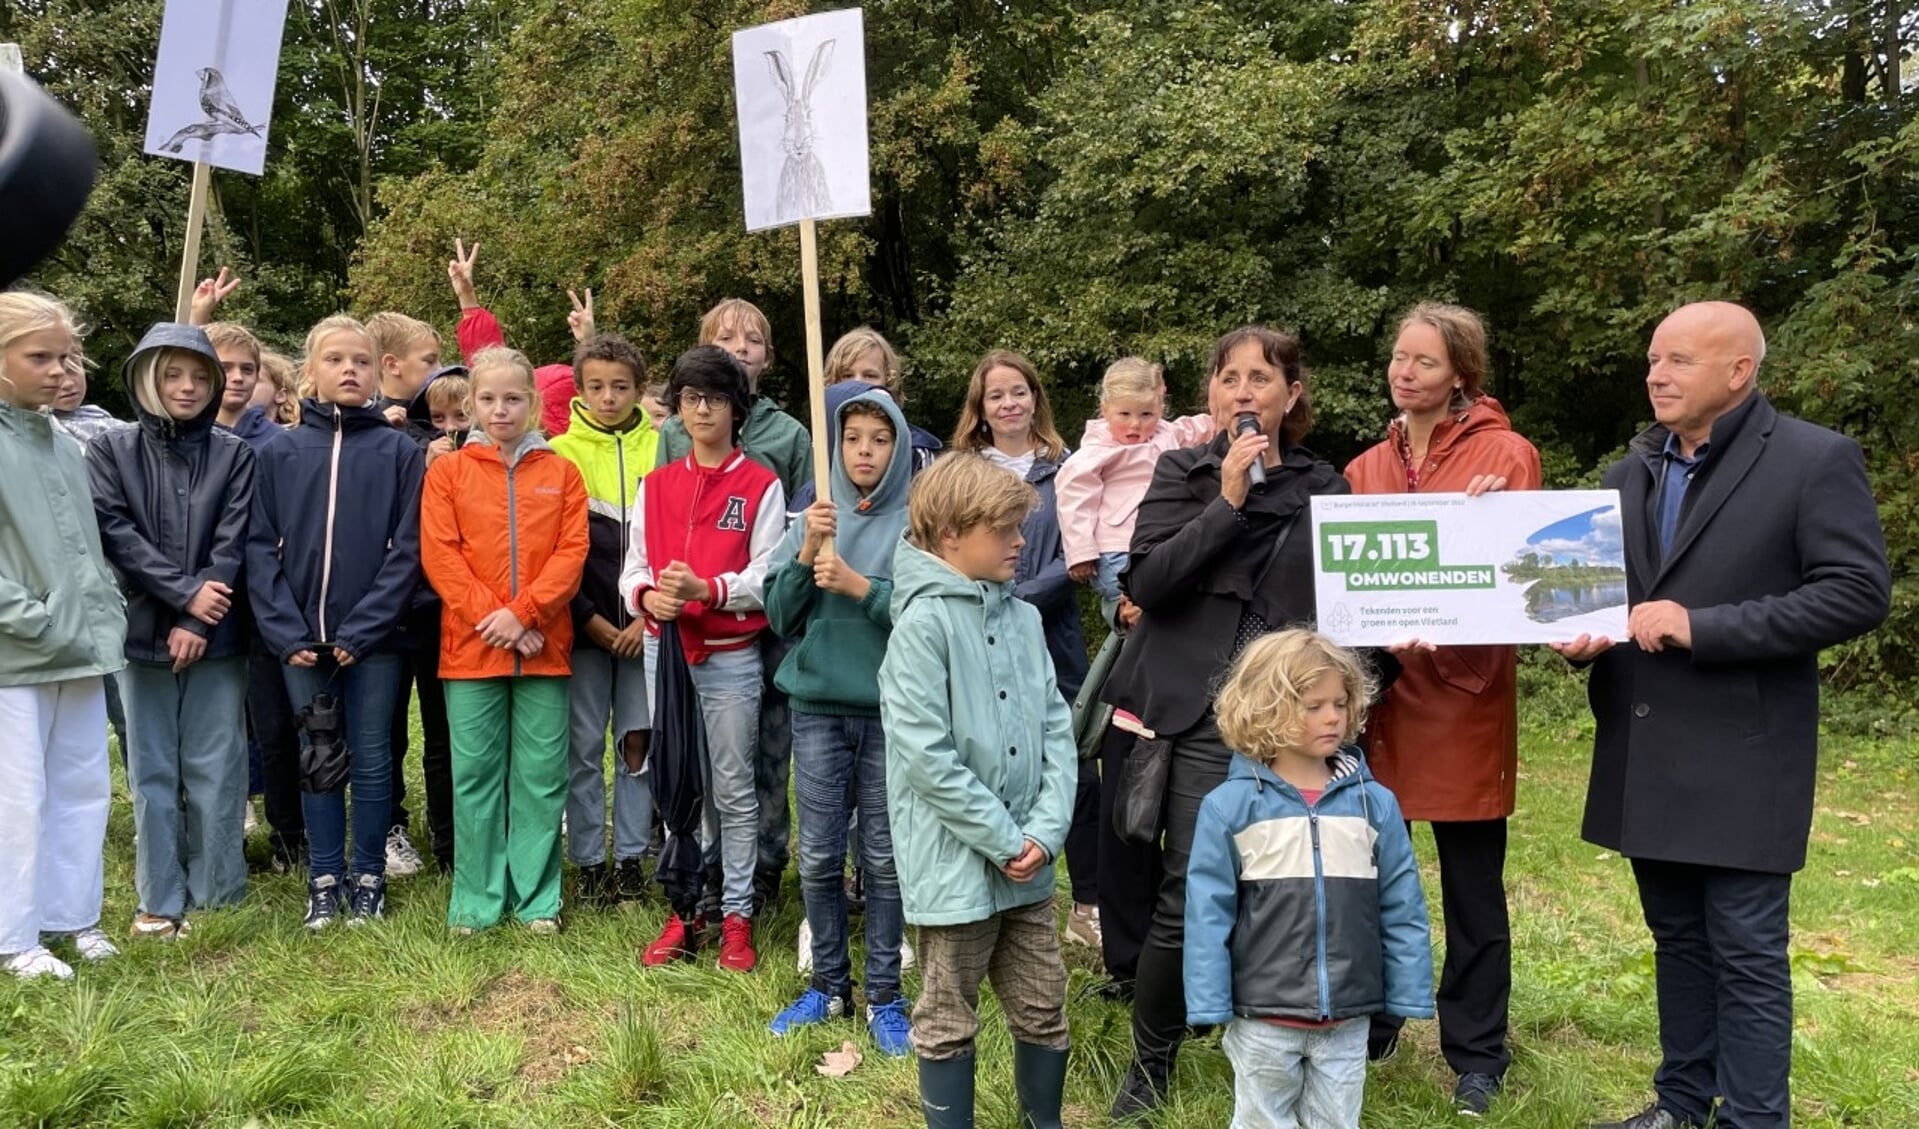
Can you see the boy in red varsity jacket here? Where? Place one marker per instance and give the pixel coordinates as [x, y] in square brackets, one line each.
[704, 529]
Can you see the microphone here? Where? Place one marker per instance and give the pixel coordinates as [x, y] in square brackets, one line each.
[1246, 423]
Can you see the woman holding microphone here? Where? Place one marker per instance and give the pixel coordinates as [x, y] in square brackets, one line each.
[1222, 553]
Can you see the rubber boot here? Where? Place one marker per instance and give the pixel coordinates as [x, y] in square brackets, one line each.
[946, 1092]
[1039, 1077]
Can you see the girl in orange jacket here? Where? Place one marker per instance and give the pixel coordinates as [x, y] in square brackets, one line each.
[503, 538]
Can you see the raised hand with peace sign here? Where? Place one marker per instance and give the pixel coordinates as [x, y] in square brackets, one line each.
[459, 271]
[208, 295]
[580, 320]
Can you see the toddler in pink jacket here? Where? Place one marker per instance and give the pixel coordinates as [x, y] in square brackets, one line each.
[1099, 488]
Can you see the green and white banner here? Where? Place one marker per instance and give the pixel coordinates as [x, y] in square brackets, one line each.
[1540, 566]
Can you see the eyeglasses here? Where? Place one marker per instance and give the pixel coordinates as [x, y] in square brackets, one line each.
[691, 399]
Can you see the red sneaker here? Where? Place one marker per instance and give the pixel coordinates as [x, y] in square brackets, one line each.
[736, 944]
[678, 940]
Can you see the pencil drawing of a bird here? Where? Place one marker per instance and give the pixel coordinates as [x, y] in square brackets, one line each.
[216, 101]
[223, 114]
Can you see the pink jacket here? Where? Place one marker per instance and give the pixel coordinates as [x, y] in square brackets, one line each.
[1100, 486]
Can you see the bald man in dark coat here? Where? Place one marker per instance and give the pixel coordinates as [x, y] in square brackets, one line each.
[1752, 541]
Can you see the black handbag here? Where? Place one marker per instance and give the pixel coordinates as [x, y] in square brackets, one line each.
[1140, 802]
[1139, 806]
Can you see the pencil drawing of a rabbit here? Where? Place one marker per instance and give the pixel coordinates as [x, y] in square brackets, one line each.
[803, 189]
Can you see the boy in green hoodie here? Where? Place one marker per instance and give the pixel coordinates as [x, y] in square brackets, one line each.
[980, 775]
[838, 608]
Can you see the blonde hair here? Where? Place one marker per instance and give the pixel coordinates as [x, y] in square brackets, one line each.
[27, 311]
[394, 335]
[856, 343]
[1258, 708]
[1464, 335]
[278, 368]
[974, 434]
[323, 329]
[450, 393]
[736, 312]
[226, 334]
[146, 377]
[1131, 379]
[501, 357]
[960, 492]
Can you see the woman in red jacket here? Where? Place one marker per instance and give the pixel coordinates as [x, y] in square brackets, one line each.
[503, 539]
[1446, 737]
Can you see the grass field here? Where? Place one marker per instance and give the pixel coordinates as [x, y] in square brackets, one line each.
[253, 1022]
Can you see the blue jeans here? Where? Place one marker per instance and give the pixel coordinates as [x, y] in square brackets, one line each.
[187, 770]
[1286, 1077]
[366, 690]
[728, 684]
[605, 686]
[1106, 579]
[829, 755]
[1106, 585]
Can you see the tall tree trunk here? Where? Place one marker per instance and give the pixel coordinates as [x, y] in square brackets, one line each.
[1891, 45]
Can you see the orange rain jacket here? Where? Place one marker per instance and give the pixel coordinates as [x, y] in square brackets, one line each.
[504, 530]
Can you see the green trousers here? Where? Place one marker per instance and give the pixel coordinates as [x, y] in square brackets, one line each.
[509, 786]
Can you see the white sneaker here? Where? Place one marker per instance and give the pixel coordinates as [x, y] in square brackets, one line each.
[805, 944]
[908, 958]
[93, 944]
[37, 961]
[251, 822]
[1082, 928]
[402, 861]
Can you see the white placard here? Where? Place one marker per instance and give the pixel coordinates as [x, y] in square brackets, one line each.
[801, 88]
[213, 83]
[1522, 567]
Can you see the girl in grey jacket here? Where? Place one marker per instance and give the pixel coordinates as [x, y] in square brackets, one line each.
[61, 627]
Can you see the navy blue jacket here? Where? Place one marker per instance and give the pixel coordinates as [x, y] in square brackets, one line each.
[1041, 581]
[254, 427]
[334, 554]
[172, 498]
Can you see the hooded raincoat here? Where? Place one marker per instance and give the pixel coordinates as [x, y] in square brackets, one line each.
[173, 498]
[979, 743]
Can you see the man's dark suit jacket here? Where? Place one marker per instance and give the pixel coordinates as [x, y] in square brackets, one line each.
[1709, 755]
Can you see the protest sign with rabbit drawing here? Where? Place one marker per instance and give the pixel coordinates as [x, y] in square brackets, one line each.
[801, 86]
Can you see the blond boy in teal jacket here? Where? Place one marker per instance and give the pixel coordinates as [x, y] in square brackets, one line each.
[980, 774]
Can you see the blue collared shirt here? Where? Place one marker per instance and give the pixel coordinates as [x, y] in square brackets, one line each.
[1679, 471]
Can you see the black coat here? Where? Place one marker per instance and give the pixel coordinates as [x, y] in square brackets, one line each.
[1708, 756]
[173, 499]
[1193, 571]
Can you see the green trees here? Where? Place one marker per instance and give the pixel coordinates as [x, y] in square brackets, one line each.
[1079, 179]
[367, 89]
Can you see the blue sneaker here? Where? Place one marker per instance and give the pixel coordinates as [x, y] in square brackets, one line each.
[813, 1006]
[890, 1026]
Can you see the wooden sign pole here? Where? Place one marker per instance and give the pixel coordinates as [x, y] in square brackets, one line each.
[190, 255]
[816, 367]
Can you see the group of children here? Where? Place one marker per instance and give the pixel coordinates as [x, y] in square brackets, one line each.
[290, 568]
